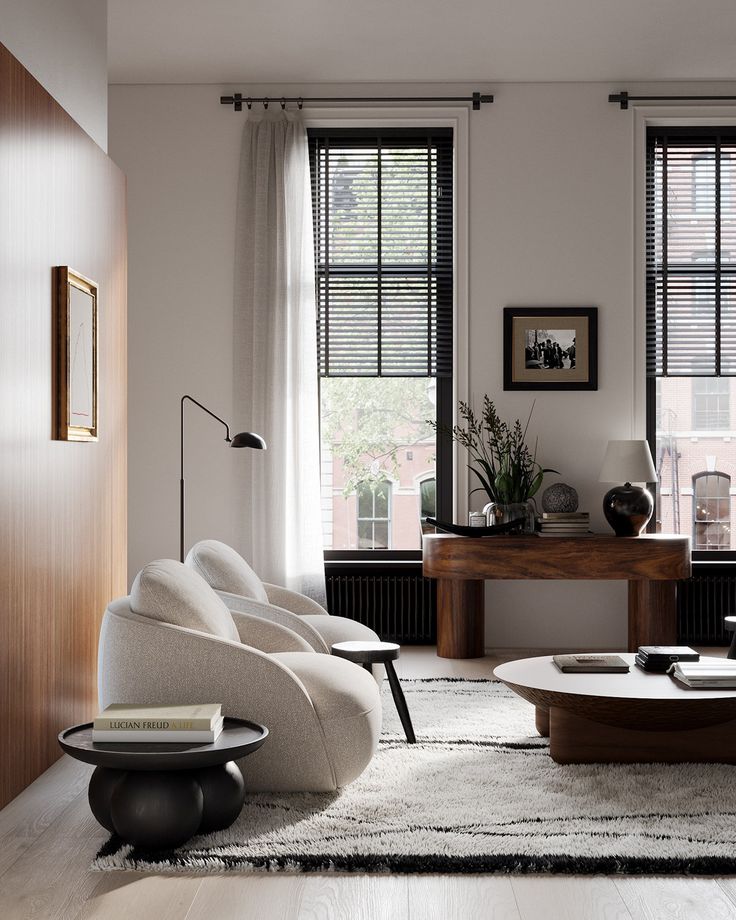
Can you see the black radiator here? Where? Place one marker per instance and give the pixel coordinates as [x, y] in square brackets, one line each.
[702, 603]
[397, 602]
[400, 604]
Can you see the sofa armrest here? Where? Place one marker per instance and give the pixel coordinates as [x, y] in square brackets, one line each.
[237, 603]
[293, 601]
[266, 635]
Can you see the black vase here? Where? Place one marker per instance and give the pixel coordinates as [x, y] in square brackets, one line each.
[628, 509]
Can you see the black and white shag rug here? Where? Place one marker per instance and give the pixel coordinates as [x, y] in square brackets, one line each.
[477, 793]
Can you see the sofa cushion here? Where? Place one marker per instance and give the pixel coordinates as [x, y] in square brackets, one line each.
[225, 570]
[172, 593]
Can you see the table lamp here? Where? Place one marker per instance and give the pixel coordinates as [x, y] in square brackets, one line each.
[243, 439]
[628, 508]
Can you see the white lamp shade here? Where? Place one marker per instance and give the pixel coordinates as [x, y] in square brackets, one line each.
[628, 461]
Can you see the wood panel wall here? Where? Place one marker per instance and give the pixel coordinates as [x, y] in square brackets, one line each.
[62, 505]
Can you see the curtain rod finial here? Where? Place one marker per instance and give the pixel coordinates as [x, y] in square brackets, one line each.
[622, 98]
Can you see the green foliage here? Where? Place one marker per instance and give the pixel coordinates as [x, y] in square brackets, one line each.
[368, 420]
[507, 470]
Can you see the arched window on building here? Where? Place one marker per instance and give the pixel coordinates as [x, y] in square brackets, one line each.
[374, 514]
[711, 511]
[427, 501]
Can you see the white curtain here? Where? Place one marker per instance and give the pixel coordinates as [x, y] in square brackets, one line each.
[276, 383]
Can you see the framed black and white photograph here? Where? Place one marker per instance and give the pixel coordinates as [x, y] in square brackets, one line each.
[550, 348]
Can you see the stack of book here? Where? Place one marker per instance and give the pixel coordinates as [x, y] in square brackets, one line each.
[705, 675]
[660, 658]
[564, 524]
[174, 724]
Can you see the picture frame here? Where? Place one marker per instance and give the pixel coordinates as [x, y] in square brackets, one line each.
[76, 355]
[550, 348]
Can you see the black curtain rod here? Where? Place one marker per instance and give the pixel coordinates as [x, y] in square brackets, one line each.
[624, 99]
[237, 100]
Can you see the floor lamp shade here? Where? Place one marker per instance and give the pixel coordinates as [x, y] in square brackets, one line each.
[628, 508]
[242, 439]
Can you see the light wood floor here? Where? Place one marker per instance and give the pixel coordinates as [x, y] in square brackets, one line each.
[48, 839]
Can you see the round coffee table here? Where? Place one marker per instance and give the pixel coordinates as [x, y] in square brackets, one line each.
[385, 653]
[159, 795]
[637, 717]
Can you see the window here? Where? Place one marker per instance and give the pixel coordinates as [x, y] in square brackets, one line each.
[691, 328]
[711, 403]
[383, 221]
[374, 514]
[711, 511]
[427, 502]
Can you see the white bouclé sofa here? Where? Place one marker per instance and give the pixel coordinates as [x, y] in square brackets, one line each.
[173, 640]
[225, 570]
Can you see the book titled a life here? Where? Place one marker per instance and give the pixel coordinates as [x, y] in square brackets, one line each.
[591, 664]
[120, 722]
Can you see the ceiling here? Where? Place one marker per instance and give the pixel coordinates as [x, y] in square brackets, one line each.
[315, 41]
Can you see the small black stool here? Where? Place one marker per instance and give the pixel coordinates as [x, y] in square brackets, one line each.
[385, 653]
[730, 623]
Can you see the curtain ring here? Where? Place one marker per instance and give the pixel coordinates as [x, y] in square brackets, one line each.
[265, 104]
[249, 103]
[300, 103]
[283, 104]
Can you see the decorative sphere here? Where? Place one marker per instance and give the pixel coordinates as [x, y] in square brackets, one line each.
[559, 498]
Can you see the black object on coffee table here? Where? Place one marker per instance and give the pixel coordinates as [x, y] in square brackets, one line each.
[159, 795]
[385, 653]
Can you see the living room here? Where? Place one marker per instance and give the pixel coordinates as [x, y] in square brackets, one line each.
[259, 235]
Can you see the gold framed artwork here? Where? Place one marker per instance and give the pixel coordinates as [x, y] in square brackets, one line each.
[75, 309]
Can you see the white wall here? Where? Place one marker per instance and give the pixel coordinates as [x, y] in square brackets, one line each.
[551, 223]
[63, 43]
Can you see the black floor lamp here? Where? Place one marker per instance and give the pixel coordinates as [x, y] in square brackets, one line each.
[243, 439]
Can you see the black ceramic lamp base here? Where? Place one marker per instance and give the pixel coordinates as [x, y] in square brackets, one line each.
[628, 509]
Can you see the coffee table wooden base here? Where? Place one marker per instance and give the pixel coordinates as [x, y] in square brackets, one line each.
[574, 739]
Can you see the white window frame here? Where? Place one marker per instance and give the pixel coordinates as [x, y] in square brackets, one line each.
[455, 117]
[645, 116]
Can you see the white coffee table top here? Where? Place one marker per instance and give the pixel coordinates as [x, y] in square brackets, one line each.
[543, 674]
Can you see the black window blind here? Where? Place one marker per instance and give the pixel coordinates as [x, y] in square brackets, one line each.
[383, 217]
[691, 252]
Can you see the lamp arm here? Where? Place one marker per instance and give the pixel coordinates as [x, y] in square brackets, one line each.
[181, 460]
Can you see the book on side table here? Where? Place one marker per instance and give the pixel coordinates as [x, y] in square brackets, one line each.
[591, 664]
[176, 724]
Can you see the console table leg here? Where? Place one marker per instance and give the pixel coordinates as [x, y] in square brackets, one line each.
[652, 613]
[460, 618]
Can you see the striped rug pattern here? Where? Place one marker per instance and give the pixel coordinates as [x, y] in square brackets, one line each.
[477, 793]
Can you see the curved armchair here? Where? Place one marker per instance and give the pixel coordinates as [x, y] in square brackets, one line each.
[174, 641]
[237, 584]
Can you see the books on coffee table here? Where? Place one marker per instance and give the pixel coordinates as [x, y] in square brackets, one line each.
[658, 658]
[591, 664]
[176, 724]
[705, 675]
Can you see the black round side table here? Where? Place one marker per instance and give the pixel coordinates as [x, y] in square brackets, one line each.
[385, 653]
[159, 795]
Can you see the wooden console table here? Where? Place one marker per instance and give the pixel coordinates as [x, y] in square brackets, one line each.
[651, 564]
